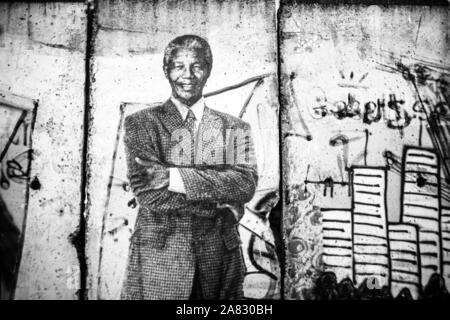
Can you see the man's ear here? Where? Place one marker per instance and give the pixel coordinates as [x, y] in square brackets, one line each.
[166, 72]
[209, 72]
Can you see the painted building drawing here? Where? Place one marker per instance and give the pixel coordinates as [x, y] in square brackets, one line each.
[368, 217]
[400, 256]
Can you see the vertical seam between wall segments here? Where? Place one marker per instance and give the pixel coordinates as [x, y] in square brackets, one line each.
[280, 147]
[80, 245]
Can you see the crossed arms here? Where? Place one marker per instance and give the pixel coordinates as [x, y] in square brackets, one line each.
[148, 175]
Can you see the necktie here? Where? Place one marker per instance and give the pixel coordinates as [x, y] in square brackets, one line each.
[190, 124]
[190, 121]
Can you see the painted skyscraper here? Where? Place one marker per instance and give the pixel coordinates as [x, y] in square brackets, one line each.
[404, 253]
[370, 235]
[337, 242]
[421, 205]
[445, 231]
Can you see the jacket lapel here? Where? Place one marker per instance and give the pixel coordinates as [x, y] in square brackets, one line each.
[171, 117]
[179, 152]
[209, 138]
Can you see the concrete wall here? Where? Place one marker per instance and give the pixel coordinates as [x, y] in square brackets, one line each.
[336, 76]
[42, 47]
[127, 67]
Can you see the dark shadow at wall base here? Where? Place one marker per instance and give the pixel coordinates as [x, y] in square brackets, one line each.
[327, 288]
[275, 220]
[9, 251]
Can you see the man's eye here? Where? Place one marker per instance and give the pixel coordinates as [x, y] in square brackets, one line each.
[198, 67]
[178, 67]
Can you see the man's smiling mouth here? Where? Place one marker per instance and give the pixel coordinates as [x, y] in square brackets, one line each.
[187, 86]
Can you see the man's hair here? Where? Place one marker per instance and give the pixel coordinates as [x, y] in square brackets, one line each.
[188, 41]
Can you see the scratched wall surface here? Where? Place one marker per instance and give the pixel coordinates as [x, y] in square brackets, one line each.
[365, 125]
[16, 125]
[127, 70]
[41, 57]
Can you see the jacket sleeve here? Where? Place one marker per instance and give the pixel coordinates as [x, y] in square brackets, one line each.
[139, 142]
[233, 182]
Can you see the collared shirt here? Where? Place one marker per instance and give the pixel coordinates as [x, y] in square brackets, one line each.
[197, 108]
[175, 182]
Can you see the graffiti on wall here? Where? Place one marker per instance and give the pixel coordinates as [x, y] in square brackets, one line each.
[365, 123]
[16, 125]
[259, 248]
[364, 252]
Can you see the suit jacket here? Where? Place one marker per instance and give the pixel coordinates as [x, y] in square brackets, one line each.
[175, 233]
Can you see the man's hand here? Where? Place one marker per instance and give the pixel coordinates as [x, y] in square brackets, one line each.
[238, 210]
[157, 173]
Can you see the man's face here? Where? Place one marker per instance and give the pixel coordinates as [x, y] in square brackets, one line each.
[187, 73]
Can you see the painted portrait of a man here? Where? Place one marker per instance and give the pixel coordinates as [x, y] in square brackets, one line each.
[191, 169]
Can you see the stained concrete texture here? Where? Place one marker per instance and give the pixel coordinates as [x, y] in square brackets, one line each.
[42, 57]
[127, 67]
[359, 85]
